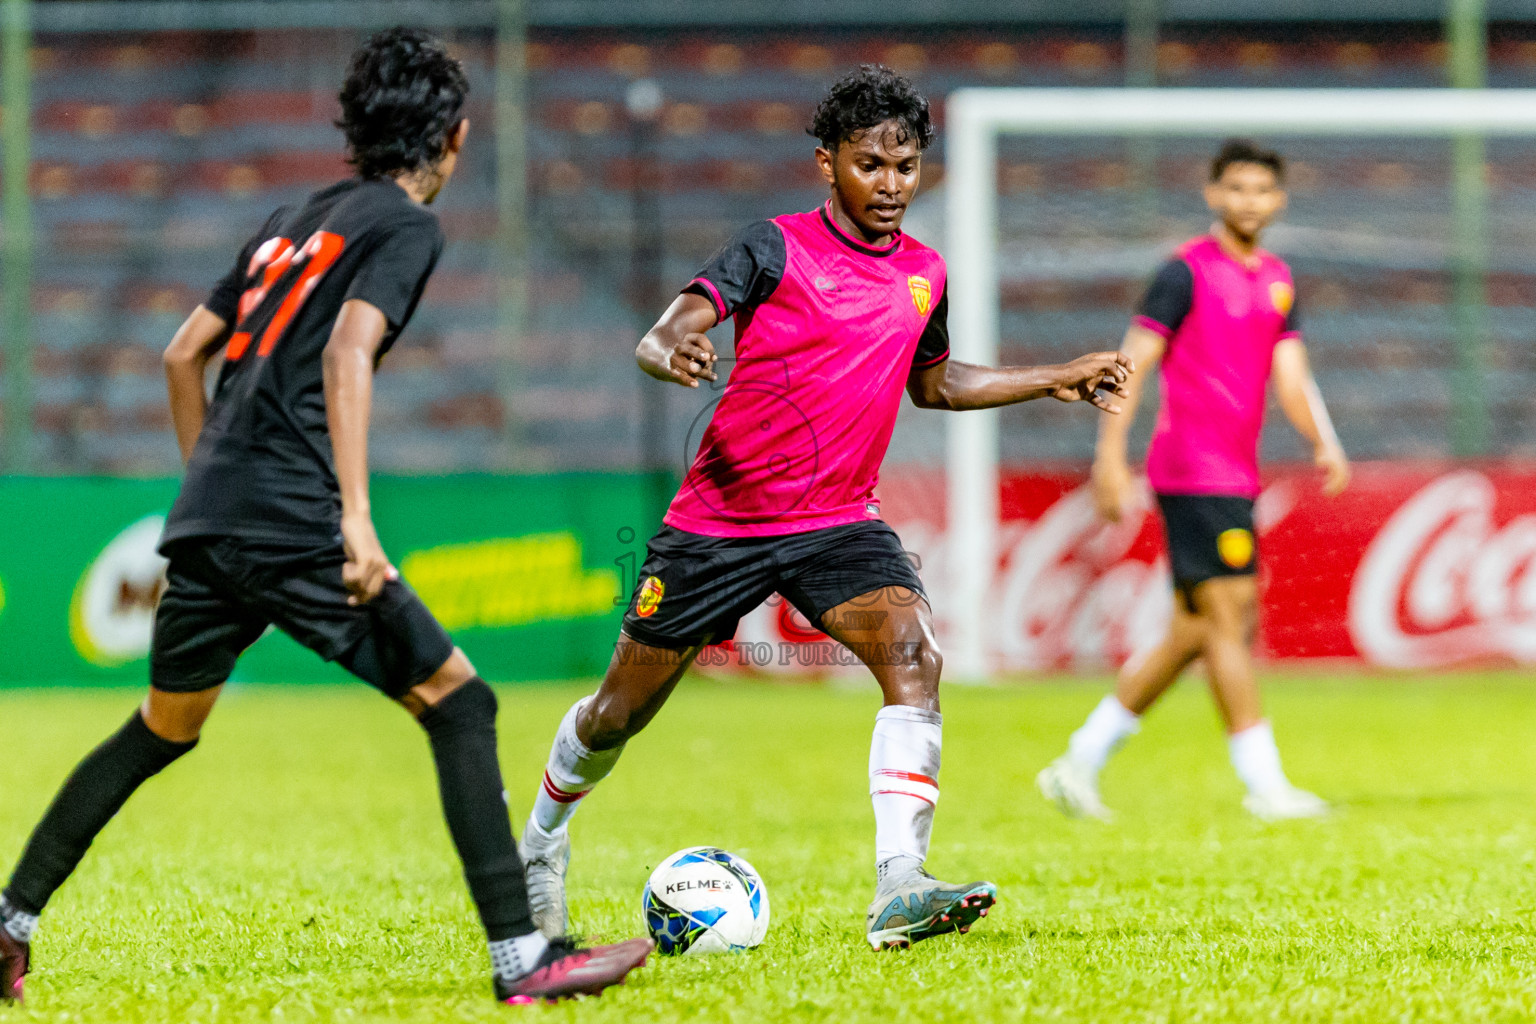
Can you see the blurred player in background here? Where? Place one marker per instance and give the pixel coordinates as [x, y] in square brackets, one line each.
[837, 313]
[273, 527]
[1221, 319]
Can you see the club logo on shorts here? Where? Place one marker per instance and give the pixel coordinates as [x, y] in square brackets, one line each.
[1282, 295]
[922, 293]
[650, 597]
[1235, 548]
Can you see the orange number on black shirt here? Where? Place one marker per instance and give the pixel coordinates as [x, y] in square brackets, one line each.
[272, 260]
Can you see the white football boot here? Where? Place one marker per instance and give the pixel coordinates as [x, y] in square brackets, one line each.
[545, 858]
[916, 906]
[1073, 789]
[1285, 803]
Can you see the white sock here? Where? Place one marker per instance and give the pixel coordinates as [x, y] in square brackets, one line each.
[516, 958]
[18, 925]
[1107, 728]
[1257, 759]
[904, 782]
[570, 775]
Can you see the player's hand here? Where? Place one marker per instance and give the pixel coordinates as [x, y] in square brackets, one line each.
[1330, 458]
[1094, 378]
[689, 361]
[366, 569]
[1111, 488]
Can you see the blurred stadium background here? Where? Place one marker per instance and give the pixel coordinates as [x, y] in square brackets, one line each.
[615, 144]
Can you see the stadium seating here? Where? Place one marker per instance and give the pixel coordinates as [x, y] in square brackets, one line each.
[153, 158]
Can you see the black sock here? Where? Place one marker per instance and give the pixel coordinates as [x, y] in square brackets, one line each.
[462, 728]
[97, 790]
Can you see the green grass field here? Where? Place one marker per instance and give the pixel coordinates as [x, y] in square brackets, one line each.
[295, 866]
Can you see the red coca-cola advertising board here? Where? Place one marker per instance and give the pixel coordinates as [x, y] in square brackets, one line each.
[1415, 566]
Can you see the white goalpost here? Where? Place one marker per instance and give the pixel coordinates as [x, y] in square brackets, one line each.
[975, 119]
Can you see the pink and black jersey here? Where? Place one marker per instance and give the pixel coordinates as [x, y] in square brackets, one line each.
[1222, 320]
[828, 330]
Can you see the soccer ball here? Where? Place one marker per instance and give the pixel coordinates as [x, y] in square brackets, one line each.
[705, 900]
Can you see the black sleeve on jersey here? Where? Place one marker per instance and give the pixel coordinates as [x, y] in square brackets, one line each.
[1169, 297]
[1292, 319]
[224, 301]
[744, 272]
[392, 276]
[933, 346]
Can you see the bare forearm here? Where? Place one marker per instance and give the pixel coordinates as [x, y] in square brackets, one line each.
[1115, 431]
[1299, 398]
[653, 351]
[967, 386]
[348, 374]
[186, 365]
[1303, 405]
[676, 349]
[1146, 348]
[184, 380]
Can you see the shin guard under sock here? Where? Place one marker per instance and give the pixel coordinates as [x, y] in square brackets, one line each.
[94, 792]
[462, 729]
[904, 781]
[572, 771]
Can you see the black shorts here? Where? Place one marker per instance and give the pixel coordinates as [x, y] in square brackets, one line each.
[1209, 536]
[692, 589]
[222, 593]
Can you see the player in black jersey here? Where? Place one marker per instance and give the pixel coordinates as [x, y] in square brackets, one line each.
[272, 526]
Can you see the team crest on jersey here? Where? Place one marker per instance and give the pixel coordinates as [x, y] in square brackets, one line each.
[922, 293]
[1235, 548]
[1282, 295]
[650, 597]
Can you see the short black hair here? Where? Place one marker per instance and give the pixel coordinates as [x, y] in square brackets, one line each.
[870, 96]
[402, 98]
[1246, 151]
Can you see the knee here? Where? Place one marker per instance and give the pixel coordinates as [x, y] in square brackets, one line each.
[1237, 618]
[607, 721]
[928, 660]
[177, 717]
[1190, 632]
[1230, 614]
[450, 677]
[916, 682]
[469, 706]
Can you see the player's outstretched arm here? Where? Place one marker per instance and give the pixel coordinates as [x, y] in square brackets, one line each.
[958, 386]
[347, 367]
[1111, 463]
[186, 365]
[676, 349]
[1303, 405]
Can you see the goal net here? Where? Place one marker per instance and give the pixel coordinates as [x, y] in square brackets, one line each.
[1412, 234]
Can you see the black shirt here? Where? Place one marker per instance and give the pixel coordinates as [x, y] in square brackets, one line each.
[262, 468]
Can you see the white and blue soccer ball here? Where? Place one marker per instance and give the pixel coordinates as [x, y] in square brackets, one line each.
[705, 900]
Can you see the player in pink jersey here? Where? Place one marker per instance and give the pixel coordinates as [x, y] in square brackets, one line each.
[1221, 318]
[837, 313]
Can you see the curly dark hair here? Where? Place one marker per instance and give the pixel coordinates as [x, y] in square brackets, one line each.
[401, 100]
[1246, 151]
[867, 97]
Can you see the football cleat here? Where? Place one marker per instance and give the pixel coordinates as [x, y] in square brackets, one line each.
[566, 971]
[1073, 789]
[545, 858]
[917, 906]
[1285, 803]
[14, 957]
